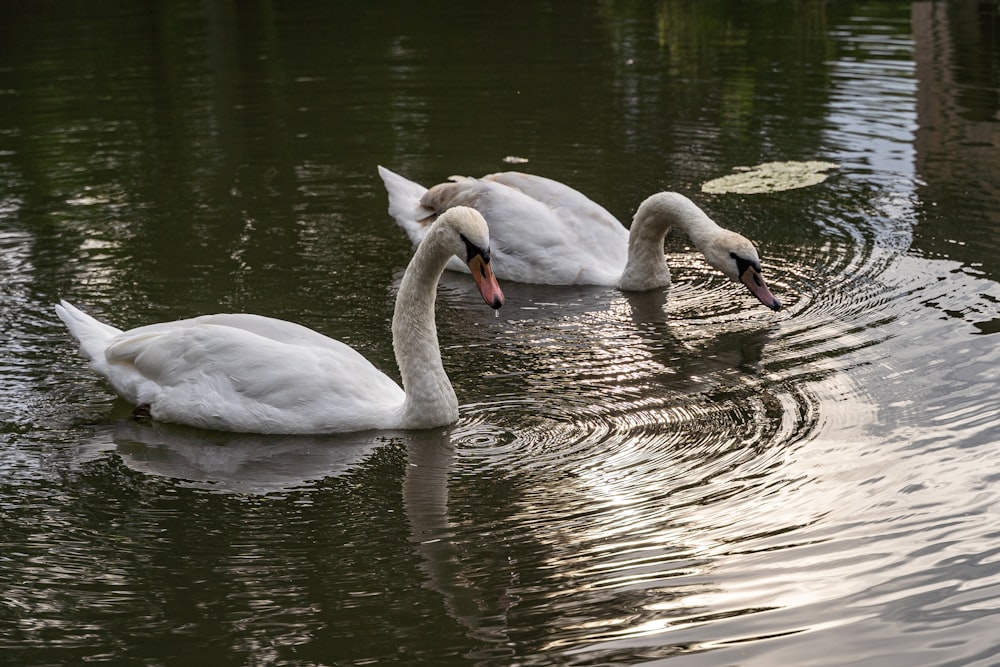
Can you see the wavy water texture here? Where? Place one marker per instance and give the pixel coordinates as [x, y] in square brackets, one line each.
[682, 501]
[680, 476]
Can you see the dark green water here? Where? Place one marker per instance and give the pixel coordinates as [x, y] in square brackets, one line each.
[680, 477]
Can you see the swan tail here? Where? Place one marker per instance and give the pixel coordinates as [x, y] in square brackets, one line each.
[92, 334]
[405, 205]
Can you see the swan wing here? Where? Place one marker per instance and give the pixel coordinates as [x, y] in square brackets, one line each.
[576, 209]
[235, 373]
[542, 231]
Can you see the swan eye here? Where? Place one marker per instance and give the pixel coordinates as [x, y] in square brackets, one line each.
[472, 250]
[743, 265]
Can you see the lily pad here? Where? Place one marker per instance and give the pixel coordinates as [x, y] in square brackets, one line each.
[771, 177]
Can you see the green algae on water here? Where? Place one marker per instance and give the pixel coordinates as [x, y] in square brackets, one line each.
[770, 177]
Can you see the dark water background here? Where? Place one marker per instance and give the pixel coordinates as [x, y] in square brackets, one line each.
[682, 477]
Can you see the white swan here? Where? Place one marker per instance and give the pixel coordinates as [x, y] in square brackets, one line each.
[548, 233]
[247, 373]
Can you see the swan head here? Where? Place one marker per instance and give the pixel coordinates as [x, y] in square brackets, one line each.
[726, 251]
[736, 257]
[469, 239]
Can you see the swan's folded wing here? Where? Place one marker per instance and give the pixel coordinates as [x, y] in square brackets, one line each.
[541, 231]
[282, 331]
[218, 376]
[572, 206]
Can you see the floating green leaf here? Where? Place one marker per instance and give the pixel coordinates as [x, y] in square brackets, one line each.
[770, 177]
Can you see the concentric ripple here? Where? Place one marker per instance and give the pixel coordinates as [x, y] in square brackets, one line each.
[683, 463]
[680, 475]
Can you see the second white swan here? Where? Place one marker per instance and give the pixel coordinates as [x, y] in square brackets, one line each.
[547, 233]
[253, 374]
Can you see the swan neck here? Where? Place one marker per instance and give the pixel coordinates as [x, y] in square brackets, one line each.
[430, 399]
[646, 266]
[700, 228]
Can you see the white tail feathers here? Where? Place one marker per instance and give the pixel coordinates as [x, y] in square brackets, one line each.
[404, 203]
[92, 334]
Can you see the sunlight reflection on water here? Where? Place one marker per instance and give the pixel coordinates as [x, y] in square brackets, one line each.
[634, 478]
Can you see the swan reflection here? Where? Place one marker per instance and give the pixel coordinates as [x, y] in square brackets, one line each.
[235, 462]
[267, 464]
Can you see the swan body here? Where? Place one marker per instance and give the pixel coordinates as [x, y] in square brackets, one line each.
[547, 233]
[254, 374]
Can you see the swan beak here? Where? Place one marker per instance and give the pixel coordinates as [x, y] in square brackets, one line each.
[755, 283]
[482, 273]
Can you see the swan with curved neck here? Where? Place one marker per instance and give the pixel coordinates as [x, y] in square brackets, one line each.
[545, 232]
[254, 374]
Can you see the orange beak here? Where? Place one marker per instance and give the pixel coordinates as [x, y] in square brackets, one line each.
[486, 281]
[755, 283]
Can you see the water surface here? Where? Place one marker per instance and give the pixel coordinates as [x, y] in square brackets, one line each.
[680, 476]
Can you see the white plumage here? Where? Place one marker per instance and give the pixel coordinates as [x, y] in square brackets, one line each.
[545, 232]
[248, 373]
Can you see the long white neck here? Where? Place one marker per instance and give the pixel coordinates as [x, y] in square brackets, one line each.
[430, 399]
[646, 266]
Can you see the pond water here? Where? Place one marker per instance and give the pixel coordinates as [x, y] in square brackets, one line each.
[679, 477]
